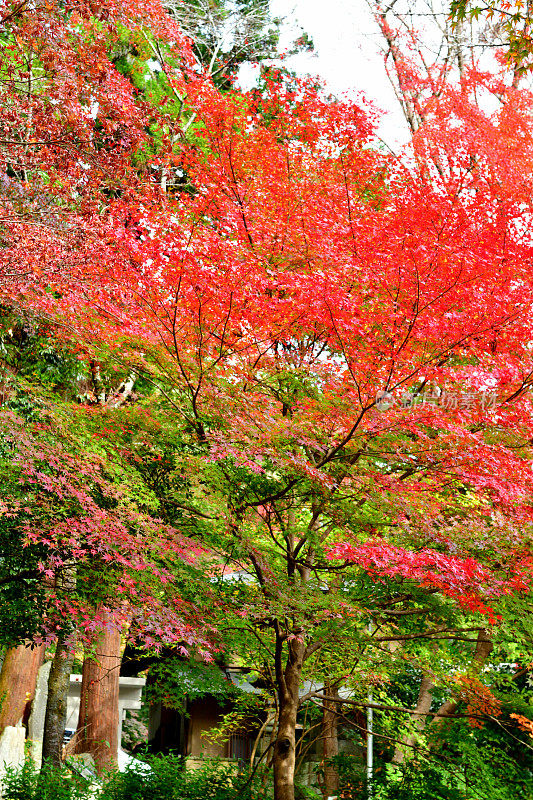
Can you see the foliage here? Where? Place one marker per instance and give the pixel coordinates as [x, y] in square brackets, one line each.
[169, 780]
[164, 779]
[330, 349]
[224, 34]
[64, 492]
[468, 764]
[174, 680]
[511, 20]
[29, 783]
[134, 732]
[342, 445]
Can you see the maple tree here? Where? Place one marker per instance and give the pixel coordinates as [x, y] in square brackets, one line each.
[511, 21]
[71, 121]
[425, 49]
[344, 338]
[84, 549]
[85, 522]
[340, 338]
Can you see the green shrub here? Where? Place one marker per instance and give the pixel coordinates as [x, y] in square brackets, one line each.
[28, 783]
[464, 763]
[168, 780]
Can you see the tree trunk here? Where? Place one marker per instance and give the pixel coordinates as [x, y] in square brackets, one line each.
[330, 741]
[404, 748]
[288, 683]
[97, 731]
[56, 706]
[483, 650]
[17, 682]
[59, 679]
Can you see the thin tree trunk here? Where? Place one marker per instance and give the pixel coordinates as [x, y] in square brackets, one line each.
[330, 741]
[483, 650]
[56, 706]
[260, 733]
[97, 731]
[270, 750]
[59, 679]
[404, 748]
[18, 679]
[288, 682]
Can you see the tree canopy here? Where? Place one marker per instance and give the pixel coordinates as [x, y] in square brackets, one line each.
[265, 387]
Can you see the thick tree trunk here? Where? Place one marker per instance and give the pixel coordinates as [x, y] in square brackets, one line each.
[285, 746]
[284, 749]
[97, 731]
[17, 682]
[56, 706]
[330, 741]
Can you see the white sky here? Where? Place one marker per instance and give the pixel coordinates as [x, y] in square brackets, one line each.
[348, 50]
[347, 58]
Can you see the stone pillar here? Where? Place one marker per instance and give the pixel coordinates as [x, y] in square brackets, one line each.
[12, 747]
[38, 712]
